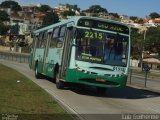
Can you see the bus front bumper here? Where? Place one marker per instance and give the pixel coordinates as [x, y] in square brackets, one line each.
[75, 76]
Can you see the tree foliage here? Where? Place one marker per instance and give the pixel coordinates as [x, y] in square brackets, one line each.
[11, 4]
[50, 18]
[133, 18]
[154, 15]
[114, 15]
[68, 13]
[152, 41]
[44, 8]
[3, 28]
[4, 16]
[74, 7]
[136, 43]
[97, 9]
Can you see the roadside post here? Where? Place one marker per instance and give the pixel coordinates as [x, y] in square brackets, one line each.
[146, 69]
[130, 75]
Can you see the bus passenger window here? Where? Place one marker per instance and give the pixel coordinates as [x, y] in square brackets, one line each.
[61, 37]
[44, 40]
[39, 40]
[54, 38]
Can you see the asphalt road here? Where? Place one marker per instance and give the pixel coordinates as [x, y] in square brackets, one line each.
[84, 101]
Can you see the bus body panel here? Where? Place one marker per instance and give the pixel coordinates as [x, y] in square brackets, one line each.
[54, 57]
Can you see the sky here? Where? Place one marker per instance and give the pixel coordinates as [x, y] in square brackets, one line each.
[139, 8]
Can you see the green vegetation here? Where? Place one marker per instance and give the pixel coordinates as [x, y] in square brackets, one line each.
[11, 4]
[50, 18]
[151, 42]
[154, 15]
[44, 8]
[19, 95]
[3, 17]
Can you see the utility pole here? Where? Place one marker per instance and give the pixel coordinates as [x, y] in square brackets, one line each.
[143, 48]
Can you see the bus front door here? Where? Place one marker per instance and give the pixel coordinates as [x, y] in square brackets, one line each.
[66, 52]
[45, 56]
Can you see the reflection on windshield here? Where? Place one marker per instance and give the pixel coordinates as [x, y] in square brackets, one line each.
[100, 47]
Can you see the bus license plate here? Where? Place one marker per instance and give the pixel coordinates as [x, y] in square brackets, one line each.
[100, 80]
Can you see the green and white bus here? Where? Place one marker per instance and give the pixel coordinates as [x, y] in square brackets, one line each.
[84, 50]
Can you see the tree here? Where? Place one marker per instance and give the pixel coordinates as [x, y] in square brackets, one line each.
[134, 18]
[11, 4]
[68, 13]
[95, 9]
[74, 7]
[3, 28]
[44, 8]
[154, 15]
[137, 43]
[115, 15]
[140, 21]
[50, 18]
[4, 16]
[152, 42]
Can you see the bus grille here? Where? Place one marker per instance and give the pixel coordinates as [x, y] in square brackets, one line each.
[89, 80]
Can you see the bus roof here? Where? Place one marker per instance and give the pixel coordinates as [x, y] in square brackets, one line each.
[75, 19]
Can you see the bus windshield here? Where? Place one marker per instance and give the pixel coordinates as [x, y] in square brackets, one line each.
[101, 47]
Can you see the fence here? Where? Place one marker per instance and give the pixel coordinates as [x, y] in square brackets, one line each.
[19, 57]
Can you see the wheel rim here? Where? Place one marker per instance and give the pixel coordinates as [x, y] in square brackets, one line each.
[36, 71]
[57, 79]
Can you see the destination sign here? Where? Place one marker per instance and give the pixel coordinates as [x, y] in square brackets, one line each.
[115, 27]
[90, 58]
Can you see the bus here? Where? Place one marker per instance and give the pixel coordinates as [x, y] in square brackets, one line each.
[83, 50]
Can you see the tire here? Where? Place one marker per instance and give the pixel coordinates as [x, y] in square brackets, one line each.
[59, 83]
[100, 90]
[37, 74]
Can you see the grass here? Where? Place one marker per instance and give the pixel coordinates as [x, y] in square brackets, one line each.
[21, 96]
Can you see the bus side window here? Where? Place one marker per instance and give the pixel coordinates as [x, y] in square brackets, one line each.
[61, 37]
[39, 40]
[54, 38]
[44, 40]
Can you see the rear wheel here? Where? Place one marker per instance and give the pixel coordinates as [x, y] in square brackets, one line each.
[59, 83]
[37, 74]
[101, 90]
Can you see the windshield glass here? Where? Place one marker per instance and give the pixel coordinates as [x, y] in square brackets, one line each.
[101, 47]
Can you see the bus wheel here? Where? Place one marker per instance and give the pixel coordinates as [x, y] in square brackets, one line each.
[59, 83]
[37, 74]
[101, 90]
